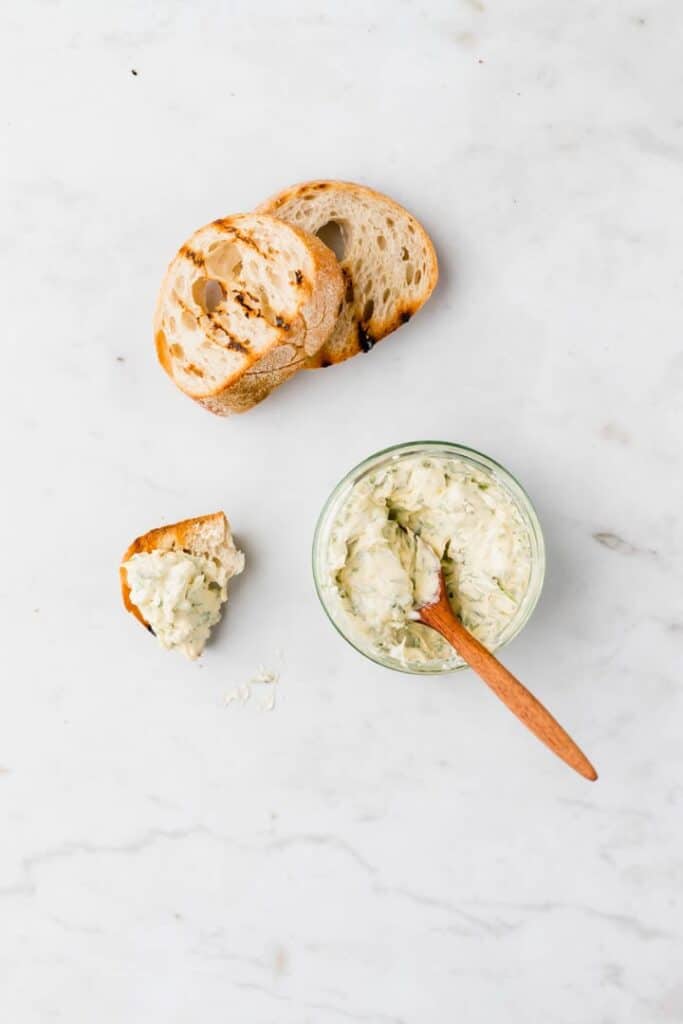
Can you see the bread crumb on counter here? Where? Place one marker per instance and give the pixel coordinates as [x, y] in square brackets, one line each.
[261, 685]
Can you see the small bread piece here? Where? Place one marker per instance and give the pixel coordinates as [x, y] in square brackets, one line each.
[387, 259]
[177, 576]
[244, 303]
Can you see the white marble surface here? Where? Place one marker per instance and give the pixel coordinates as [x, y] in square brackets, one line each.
[379, 848]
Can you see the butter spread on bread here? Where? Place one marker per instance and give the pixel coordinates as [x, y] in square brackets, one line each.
[175, 580]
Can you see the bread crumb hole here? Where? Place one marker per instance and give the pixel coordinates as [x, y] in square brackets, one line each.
[386, 295]
[368, 310]
[177, 350]
[409, 273]
[332, 235]
[390, 222]
[208, 293]
[418, 276]
[404, 253]
[381, 242]
[172, 323]
[224, 262]
[214, 294]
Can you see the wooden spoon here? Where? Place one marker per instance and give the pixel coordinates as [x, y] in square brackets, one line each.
[440, 616]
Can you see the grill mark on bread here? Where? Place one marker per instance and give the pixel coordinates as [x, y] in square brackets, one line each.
[365, 340]
[230, 229]
[193, 256]
[250, 242]
[238, 346]
[248, 310]
[233, 342]
[256, 311]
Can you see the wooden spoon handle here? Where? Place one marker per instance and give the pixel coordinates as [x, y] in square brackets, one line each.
[509, 689]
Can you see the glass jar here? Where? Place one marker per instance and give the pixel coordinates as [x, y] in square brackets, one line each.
[433, 450]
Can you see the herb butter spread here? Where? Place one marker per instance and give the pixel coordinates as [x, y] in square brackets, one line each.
[397, 526]
[180, 595]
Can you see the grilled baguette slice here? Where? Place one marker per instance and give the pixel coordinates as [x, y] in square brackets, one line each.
[208, 537]
[387, 259]
[244, 303]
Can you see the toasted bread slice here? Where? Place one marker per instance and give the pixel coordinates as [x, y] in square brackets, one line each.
[244, 303]
[387, 258]
[177, 576]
